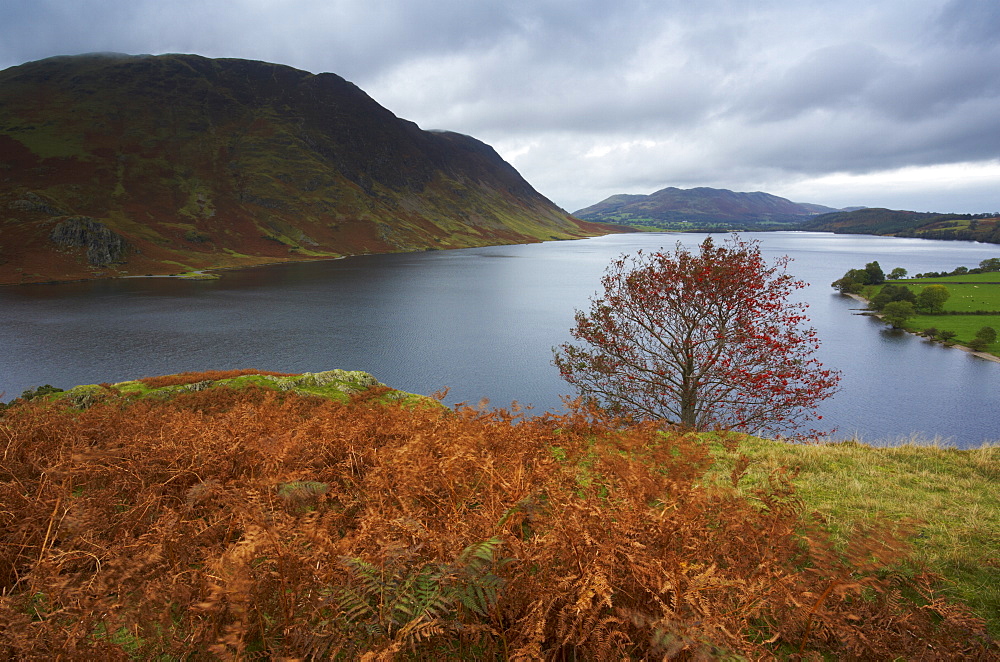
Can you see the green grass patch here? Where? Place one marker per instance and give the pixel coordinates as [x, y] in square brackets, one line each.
[971, 295]
[965, 297]
[949, 495]
[337, 385]
[964, 326]
[47, 142]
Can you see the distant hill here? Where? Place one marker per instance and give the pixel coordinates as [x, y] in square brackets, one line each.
[701, 208]
[113, 165]
[924, 225]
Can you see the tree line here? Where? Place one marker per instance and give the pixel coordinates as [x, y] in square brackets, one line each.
[986, 266]
[855, 280]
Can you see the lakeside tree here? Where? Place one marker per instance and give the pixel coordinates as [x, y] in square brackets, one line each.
[931, 299]
[897, 273]
[946, 336]
[855, 279]
[875, 273]
[897, 312]
[985, 337]
[991, 264]
[702, 340]
[852, 281]
[890, 293]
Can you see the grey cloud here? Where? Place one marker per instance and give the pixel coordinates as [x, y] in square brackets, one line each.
[970, 23]
[590, 97]
[829, 78]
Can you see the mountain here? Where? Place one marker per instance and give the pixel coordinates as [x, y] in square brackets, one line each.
[924, 225]
[700, 208]
[113, 164]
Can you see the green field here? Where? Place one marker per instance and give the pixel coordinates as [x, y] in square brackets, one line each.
[964, 326]
[969, 293]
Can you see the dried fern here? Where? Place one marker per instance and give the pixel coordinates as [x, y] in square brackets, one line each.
[405, 603]
[258, 524]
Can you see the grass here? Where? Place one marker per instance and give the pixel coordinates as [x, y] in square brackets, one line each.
[964, 326]
[948, 495]
[969, 293]
[966, 295]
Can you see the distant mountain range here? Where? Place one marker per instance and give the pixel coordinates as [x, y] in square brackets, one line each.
[115, 165]
[709, 209]
[701, 208]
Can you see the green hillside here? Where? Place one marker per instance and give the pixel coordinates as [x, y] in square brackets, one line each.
[967, 227]
[114, 165]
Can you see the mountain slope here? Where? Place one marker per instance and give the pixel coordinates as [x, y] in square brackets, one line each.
[674, 208]
[113, 164]
[925, 225]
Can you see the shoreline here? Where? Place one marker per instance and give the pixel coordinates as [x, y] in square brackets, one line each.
[209, 273]
[968, 350]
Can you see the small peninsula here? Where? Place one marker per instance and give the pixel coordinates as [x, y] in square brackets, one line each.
[960, 308]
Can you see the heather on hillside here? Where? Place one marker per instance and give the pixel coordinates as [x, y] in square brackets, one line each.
[252, 522]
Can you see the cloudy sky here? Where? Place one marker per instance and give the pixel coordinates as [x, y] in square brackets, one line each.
[887, 103]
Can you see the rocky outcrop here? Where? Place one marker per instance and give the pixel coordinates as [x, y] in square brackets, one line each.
[104, 247]
[345, 381]
[32, 202]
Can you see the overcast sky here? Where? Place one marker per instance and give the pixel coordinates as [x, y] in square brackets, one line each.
[883, 103]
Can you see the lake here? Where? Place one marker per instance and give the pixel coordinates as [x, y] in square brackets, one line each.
[482, 322]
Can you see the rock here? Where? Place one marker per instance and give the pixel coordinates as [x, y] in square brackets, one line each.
[345, 381]
[104, 247]
[87, 395]
[33, 202]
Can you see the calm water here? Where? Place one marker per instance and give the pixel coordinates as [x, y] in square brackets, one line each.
[481, 322]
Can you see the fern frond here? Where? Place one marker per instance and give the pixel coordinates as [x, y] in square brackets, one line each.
[370, 576]
[419, 629]
[421, 594]
[479, 554]
[354, 605]
[477, 598]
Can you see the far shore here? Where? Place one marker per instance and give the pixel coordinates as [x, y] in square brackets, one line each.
[982, 355]
[211, 273]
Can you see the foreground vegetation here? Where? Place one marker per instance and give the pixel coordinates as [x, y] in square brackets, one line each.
[948, 497]
[241, 520]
